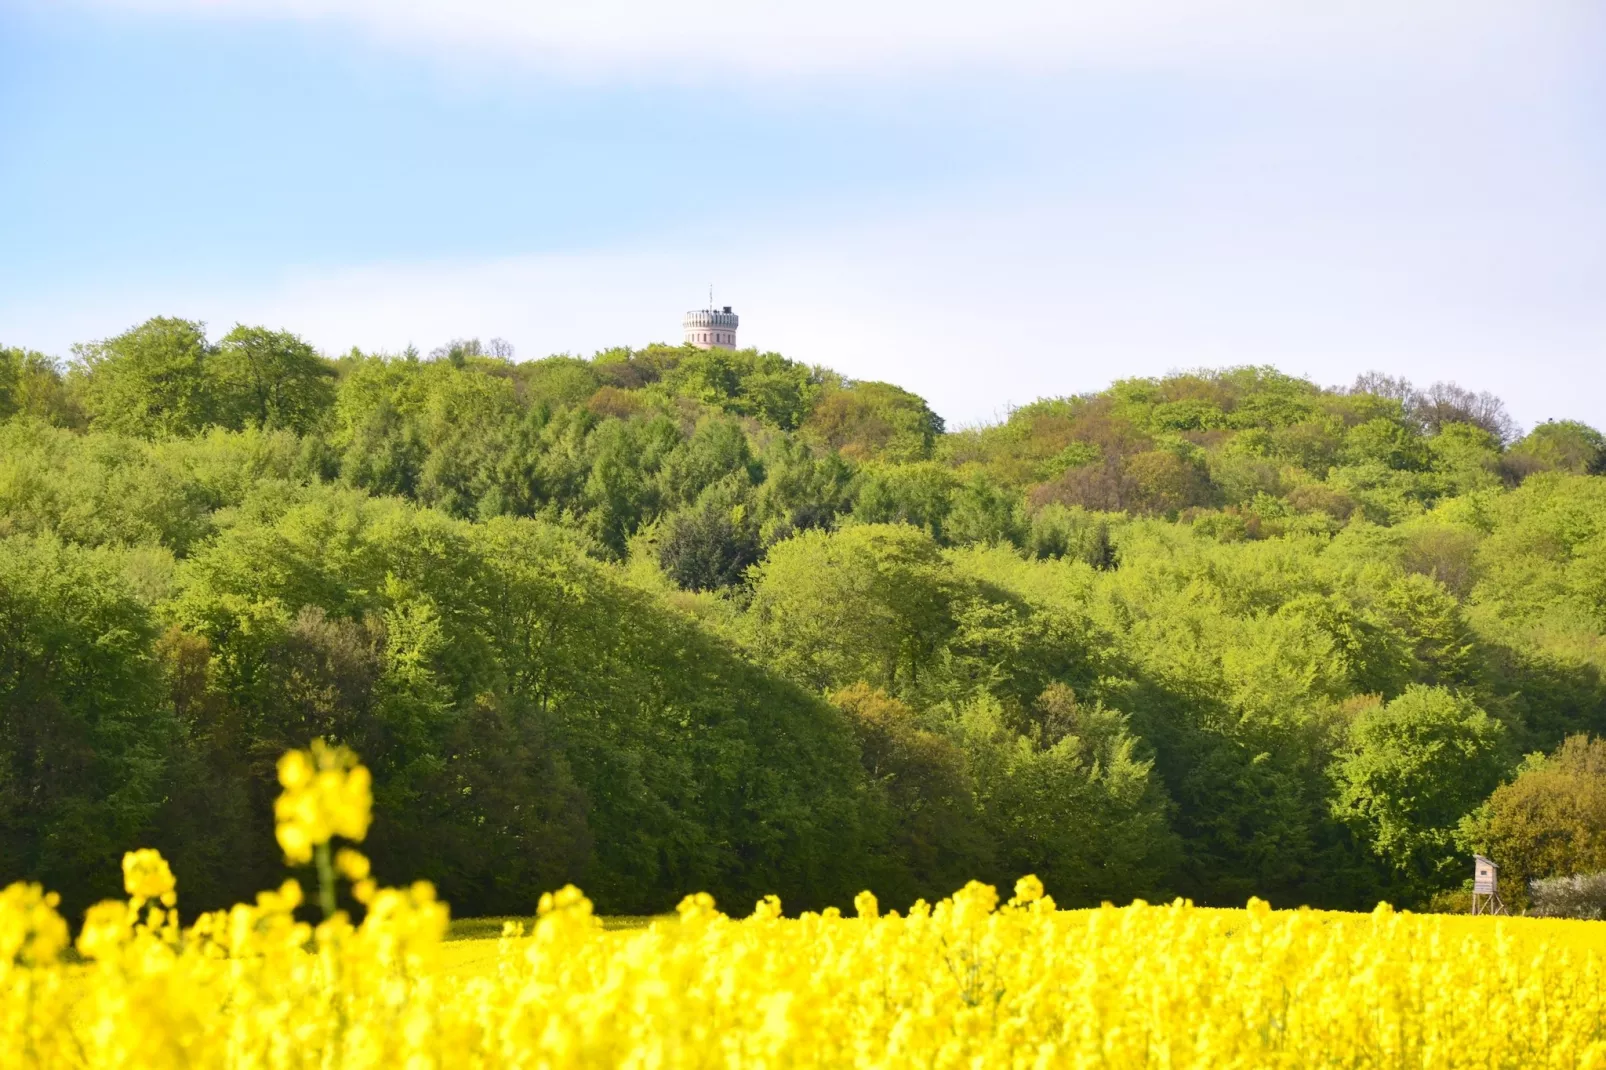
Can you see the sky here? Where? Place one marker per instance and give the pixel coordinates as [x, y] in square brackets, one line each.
[984, 203]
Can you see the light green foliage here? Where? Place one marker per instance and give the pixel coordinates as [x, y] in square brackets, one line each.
[920, 494]
[11, 363]
[32, 385]
[803, 488]
[1412, 770]
[716, 450]
[868, 420]
[1545, 560]
[1189, 414]
[1071, 802]
[163, 378]
[1313, 445]
[1241, 472]
[1547, 821]
[983, 512]
[1166, 481]
[1468, 458]
[149, 381]
[1561, 445]
[557, 382]
[450, 650]
[619, 492]
[1274, 453]
[430, 429]
[269, 380]
[871, 602]
[108, 490]
[1384, 443]
[1442, 550]
[1213, 634]
[1242, 659]
[765, 386]
[1058, 531]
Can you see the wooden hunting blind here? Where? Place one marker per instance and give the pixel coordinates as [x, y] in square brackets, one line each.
[1485, 887]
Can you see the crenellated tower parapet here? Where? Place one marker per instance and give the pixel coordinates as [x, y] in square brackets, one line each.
[711, 328]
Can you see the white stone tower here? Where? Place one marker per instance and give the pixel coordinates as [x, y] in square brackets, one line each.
[711, 328]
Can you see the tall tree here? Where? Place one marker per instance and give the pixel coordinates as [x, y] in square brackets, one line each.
[1415, 767]
[83, 734]
[872, 602]
[932, 840]
[270, 380]
[151, 380]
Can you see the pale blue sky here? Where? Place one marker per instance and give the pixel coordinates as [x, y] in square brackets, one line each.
[986, 203]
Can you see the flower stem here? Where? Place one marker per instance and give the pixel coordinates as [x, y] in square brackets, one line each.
[326, 880]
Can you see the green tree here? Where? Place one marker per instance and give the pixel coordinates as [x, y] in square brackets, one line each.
[985, 513]
[1072, 803]
[868, 420]
[620, 492]
[1545, 556]
[1058, 531]
[103, 490]
[718, 448]
[1466, 456]
[920, 494]
[933, 839]
[765, 386]
[32, 385]
[803, 488]
[872, 602]
[1413, 769]
[10, 379]
[269, 380]
[1549, 821]
[1559, 445]
[1166, 481]
[528, 718]
[151, 380]
[708, 547]
[84, 739]
[557, 382]
[1387, 443]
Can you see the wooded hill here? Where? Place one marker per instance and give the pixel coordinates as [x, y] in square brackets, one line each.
[670, 620]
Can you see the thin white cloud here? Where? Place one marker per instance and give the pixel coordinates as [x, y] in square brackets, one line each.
[706, 38]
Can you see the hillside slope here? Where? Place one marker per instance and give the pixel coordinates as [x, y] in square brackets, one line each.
[670, 619]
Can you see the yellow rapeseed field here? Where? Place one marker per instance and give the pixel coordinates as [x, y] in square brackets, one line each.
[970, 981]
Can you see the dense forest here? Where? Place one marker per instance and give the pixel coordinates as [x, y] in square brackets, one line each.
[668, 620]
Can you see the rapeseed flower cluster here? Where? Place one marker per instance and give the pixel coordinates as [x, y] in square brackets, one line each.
[966, 982]
[326, 794]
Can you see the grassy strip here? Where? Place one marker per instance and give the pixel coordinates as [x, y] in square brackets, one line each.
[491, 928]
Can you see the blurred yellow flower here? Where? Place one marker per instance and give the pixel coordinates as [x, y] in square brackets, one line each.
[146, 876]
[326, 794]
[31, 932]
[353, 865]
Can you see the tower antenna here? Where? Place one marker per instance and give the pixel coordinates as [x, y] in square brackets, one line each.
[710, 295]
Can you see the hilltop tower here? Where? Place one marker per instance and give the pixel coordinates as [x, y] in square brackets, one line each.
[711, 328]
